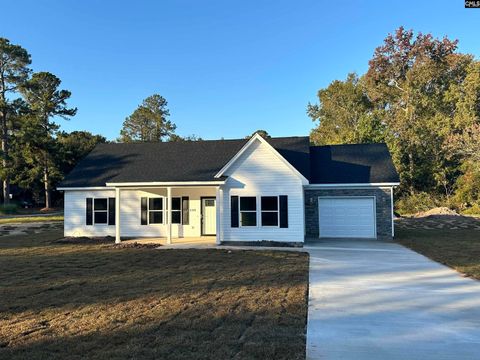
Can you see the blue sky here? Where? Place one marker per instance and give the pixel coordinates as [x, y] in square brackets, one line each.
[226, 68]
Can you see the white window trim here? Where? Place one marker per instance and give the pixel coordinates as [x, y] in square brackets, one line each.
[163, 210]
[271, 211]
[93, 211]
[240, 211]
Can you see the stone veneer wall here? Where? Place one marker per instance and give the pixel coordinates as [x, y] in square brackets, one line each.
[383, 209]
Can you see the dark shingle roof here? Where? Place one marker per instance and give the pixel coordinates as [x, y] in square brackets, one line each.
[351, 164]
[201, 160]
[172, 161]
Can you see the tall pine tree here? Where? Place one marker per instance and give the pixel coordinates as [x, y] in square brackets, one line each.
[14, 71]
[46, 101]
[149, 122]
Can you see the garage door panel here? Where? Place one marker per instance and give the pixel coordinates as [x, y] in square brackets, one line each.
[347, 217]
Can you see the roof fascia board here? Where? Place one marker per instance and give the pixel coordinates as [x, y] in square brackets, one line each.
[356, 185]
[275, 152]
[86, 188]
[167, 183]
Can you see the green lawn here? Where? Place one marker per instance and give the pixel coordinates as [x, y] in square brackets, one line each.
[29, 219]
[459, 249]
[92, 301]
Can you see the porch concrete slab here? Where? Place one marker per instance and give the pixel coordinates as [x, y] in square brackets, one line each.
[378, 300]
[193, 241]
[230, 247]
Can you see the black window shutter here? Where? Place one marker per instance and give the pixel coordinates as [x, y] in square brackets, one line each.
[111, 211]
[143, 212]
[89, 211]
[185, 210]
[234, 211]
[283, 211]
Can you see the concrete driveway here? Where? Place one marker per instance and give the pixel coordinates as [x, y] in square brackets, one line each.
[374, 300]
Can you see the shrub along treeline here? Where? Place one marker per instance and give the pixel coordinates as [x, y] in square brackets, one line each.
[35, 155]
[422, 97]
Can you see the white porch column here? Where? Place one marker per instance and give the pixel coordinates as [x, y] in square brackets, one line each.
[169, 215]
[218, 207]
[117, 215]
[391, 204]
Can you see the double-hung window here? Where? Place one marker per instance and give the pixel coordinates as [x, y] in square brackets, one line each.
[269, 210]
[155, 210]
[100, 211]
[248, 211]
[176, 210]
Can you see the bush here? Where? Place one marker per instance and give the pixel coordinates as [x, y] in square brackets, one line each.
[8, 209]
[411, 204]
[472, 210]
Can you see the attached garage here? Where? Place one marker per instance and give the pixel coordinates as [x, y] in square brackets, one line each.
[347, 217]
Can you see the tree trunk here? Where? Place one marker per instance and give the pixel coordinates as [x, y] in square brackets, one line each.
[46, 182]
[6, 180]
[411, 169]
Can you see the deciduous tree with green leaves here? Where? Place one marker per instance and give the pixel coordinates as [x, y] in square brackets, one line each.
[418, 90]
[74, 146]
[263, 133]
[345, 114]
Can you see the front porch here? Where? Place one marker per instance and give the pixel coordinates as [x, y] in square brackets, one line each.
[186, 214]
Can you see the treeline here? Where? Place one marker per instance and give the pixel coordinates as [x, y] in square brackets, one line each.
[421, 96]
[35, 154]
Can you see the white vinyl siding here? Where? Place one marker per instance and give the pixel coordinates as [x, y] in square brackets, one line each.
[347, 217]
[75, 214]
[130, 213]
[259, 172]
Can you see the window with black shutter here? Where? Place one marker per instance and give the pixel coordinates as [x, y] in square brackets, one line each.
[176, 210]
[144, 211]
[234, 211]
[89, 211]
[248, 211]
[155, 210]
[100, 211]
[111, 211]
[269, 210]
[283, 199]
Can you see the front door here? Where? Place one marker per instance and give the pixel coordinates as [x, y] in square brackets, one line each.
[209, 217]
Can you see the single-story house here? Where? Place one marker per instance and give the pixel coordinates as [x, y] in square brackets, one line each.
[239, 191]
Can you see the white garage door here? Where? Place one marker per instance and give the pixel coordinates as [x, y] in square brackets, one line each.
[347, 217]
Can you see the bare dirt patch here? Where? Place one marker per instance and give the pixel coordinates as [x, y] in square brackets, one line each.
[432, 222]
[29, 227]
[92, 301]
[436, 211]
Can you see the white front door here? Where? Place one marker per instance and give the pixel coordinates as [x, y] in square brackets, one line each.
[209, 216]
[346, 217]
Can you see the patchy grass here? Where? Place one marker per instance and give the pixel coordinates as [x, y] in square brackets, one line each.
[459, 249]
[94, 301]
[29, 219]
